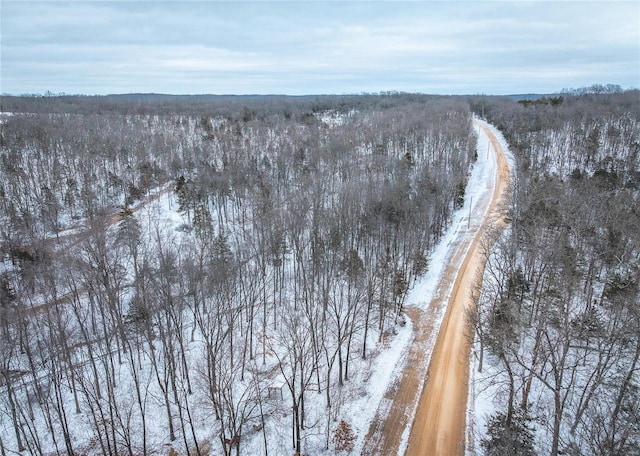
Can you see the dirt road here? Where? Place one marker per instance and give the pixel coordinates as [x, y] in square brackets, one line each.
[439, 395]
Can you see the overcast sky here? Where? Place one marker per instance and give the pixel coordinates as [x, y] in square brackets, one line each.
[302, 47]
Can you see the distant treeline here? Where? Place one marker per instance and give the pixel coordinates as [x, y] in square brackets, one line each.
[236, 107]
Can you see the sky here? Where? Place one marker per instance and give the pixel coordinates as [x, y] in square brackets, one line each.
[317, 47]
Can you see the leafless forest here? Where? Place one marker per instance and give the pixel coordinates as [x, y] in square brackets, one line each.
[303, 221]
[306, 221]
[558, 320]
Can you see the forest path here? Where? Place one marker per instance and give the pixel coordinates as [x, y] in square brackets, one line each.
[427, 404]
[74, 235]
[71, 237]
[78, 233]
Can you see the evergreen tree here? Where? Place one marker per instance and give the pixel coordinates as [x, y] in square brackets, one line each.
[202, 222]
[509, 437]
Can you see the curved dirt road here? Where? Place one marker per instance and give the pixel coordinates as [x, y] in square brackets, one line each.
[439, 395]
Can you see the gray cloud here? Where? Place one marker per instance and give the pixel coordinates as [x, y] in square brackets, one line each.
[317, 47]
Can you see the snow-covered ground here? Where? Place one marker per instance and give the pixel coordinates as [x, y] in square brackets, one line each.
[480, 403]
[583, 375]
[375, 375]
[388, 367]
[479, 190]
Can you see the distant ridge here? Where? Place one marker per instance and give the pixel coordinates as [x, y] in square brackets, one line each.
[530, 96]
